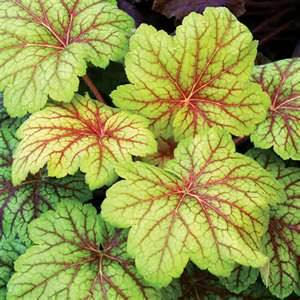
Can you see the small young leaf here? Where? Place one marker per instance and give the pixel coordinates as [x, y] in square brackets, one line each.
[84, 134]
[281, 129]
[45, 45]
[181, 8]
[20, 204]
[209, 204]
[197, 79]
[282, 241]
[164, 153]
[10, 250]
[240, 279]
[76, 256]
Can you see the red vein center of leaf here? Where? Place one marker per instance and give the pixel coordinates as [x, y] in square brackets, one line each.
[63, 41]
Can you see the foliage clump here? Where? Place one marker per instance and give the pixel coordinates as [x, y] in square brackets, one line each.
[184, 205]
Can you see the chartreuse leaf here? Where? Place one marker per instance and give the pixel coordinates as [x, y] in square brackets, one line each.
[10, 249]
[20, 204]
[282, 240]
[197, 79]
[240, 279]
[77, 256]
[209, 204]
[84, 134]
[45, 46]
[281, 129]
[5, 120]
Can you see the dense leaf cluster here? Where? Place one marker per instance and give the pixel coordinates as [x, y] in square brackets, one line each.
[196, 145]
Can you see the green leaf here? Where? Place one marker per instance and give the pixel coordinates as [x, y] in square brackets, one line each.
[7, 121]
[165, 152]
[77, 256]
[10, 250]
[46, 45]
[197, 284]
[209, 204]
[281, 129]
[240, 279]
[282, 241]
[20, 204]
[197, 79]
[84, 134]
[3, 114]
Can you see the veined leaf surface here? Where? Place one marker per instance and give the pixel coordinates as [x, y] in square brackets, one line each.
[10, 250]
[84, 134]
[209, 204]
[197, 79]
[200, 285]
[281, 129]
[21, 204]
[240, 279]
[45, 46]
[77, 256]
[282, 240]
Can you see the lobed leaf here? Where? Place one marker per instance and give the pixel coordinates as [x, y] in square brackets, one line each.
[282, 240]
[209, 205]
[281, 129]
[21, 204]
[46, 45]
[10, 250]
[84, 134]
[197, 79]
[77, 256]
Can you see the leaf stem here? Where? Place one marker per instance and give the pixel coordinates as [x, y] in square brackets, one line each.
[240, 140]
[93, 88]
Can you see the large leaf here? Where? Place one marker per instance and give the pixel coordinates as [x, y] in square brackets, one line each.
[282, 241]
[45, 45]
[10, 250]
[281, 129]
[76, 256]
[209, 204]
[84, 134]
[181, 8]
[20, 204]
[196, 79]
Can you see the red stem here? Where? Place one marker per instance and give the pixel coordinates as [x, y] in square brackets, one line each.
[274, 33]
[271, 20]
[240, 140]
[93, 88]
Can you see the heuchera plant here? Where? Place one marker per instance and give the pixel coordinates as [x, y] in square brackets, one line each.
[187, 214]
